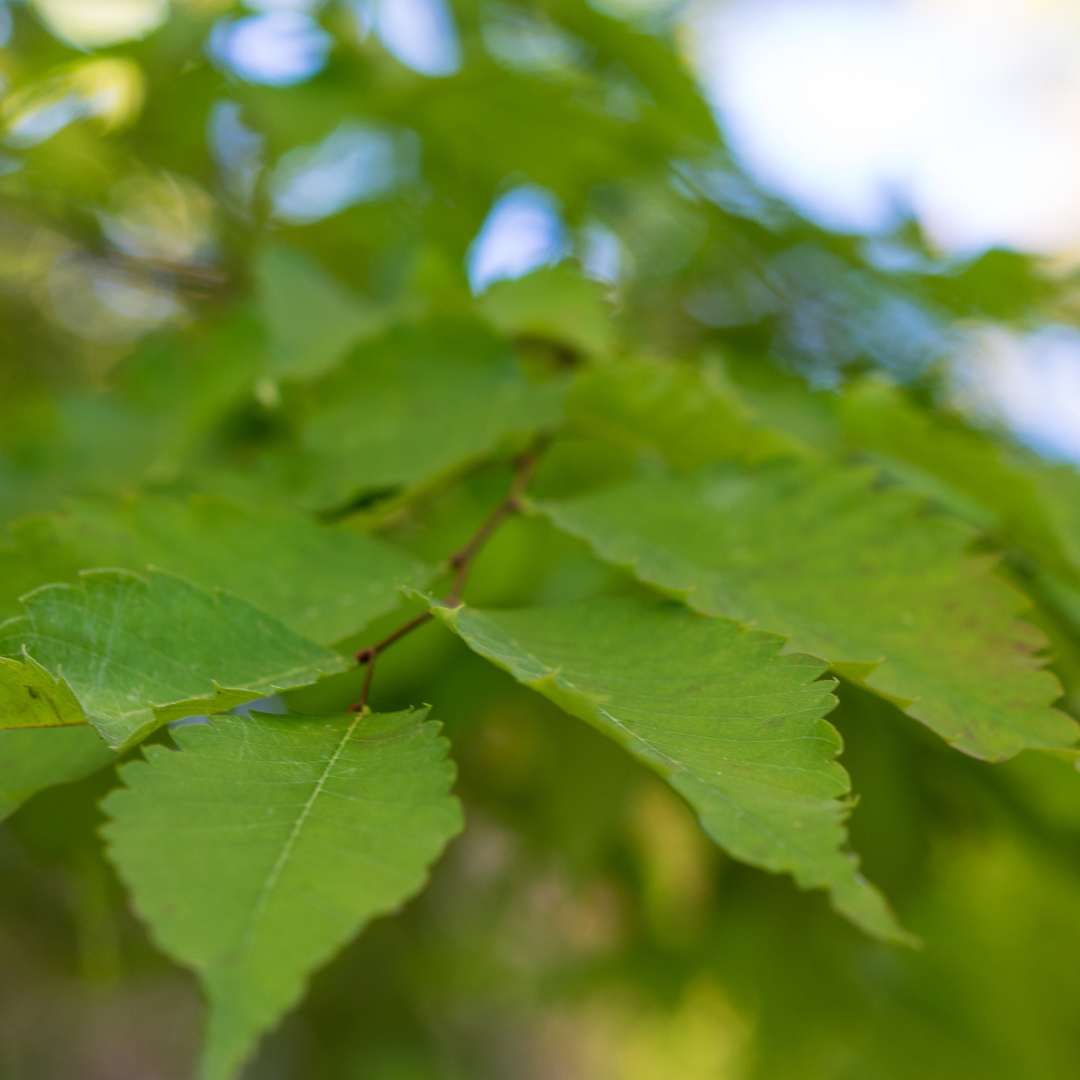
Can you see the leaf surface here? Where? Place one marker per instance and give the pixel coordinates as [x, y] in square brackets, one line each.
[323, 582]
[262, 848]
[312, 319]
[32, 698]
[734, 727]
[35, 758]
[982, 481]
[414, 404]
[862, 579]
[140, 652]
[689, 416]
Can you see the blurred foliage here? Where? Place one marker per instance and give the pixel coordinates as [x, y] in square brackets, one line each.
[215, 290]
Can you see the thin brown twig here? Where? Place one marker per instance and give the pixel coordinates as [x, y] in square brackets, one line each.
[361, 705]
[460, 562]
[365, 656]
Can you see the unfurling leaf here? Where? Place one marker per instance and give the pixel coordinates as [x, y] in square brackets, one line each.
[138, 653]
[263, 846]
[733, 726]
[861, 579]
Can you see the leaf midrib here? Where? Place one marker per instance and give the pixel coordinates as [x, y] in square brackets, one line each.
[262, 902]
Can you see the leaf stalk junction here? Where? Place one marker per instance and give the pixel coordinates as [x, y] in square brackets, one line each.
[460, 562]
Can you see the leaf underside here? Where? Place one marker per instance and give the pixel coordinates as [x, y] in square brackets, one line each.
[734, 727]
[860, 578]
[285, 835]
[140, 652]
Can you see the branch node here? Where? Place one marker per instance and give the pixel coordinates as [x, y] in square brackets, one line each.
[460, 562]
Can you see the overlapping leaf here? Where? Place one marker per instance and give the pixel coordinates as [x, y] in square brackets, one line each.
[285, 835]
[138, 653]
[689, 416]
[859, 578]
[32, 698]
[324, 583]
[736, 728]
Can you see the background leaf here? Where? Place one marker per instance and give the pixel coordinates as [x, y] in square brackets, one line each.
[414, 404]
[36, 758]
[323, 582]
[312, 320]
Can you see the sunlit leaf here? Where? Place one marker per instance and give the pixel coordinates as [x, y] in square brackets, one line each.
[284, 836]
[141, 652]
[734, 727]
[32, 698]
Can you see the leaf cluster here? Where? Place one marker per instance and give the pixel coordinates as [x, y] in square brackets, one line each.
[700, 568]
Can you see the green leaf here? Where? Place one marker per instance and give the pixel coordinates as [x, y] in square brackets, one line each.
[733, 726]
[555, 304]
[417, 403]
[887, 595]
[32, 698]
[688, 416]
[967, 472]
[139, 653]
[45, 738]
[32, 758]
[311, 318]
[325, 583]
[266, 844]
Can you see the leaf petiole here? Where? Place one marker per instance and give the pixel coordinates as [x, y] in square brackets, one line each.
[460, 562]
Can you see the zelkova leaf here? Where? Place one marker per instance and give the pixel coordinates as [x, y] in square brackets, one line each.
[140, 652]
[323, 582]
[414, 404]
[262, 848]
[687, 415]
[45, 738]
[860, 578]
[735, 727]
[32, 758]
[32, 698]
[992, 485]
[312, 319]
